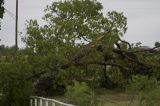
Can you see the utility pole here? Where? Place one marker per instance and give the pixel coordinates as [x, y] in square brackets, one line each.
[16, 27]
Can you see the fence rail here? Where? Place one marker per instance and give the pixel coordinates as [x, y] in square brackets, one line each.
[41, 101]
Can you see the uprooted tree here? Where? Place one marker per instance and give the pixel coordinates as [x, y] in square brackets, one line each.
[79, 42]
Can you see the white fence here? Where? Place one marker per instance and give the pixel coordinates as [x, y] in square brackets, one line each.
[41, 101]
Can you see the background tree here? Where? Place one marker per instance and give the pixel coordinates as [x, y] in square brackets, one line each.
[1, 10]
[157, 44]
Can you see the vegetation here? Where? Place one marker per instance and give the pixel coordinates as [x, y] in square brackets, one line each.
[1, 10]
[15, 87]
[80, 94]
[77, 43]
[144, 89]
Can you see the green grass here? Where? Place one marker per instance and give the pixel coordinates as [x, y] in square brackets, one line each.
[114, 98]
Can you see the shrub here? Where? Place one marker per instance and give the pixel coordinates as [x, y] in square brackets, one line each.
[80, 94]
[151, 98]
[145, 89]
[139, 83]
[15, 86]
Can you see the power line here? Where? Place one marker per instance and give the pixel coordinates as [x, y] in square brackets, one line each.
[15, 17]
[10, 14]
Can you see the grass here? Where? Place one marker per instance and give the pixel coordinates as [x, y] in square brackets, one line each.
[114, 98]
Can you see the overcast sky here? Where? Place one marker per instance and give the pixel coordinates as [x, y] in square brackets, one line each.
[143, 18]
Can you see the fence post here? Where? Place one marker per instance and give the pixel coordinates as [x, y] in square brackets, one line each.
[31, 102]
[35, 101]
[53, 104]
[41, 103]
[46, 102]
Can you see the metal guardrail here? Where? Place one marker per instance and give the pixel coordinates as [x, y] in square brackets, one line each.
[41, 101]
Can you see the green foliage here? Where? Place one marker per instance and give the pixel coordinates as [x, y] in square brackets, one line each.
[145, 89]
[80, 94]
[73, 27]
[140, 83]
[152, 97]
[157, 44]
[111, 78]
[1, 8]
[15, 88]
[5, 50]
[75, 22]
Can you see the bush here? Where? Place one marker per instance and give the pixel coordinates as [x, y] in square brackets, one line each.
[151, 98]
[15, 86]
[146, 90]
[139, 83]
[16, 94]
[80, 94]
